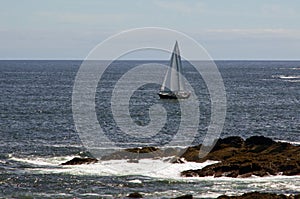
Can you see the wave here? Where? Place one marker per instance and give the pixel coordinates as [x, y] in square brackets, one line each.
[139, 174]
[286, 77]
[298, 80]
[41, 161]
[295, 78]
[145, 167]
[123, 168]
[289, 68]
[294, 143]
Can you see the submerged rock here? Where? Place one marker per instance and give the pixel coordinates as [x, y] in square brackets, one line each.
[184, 197]
[254, 195]
[178, 160]
[149, 149]
[135, 195]
[78, 161]
[256, 155]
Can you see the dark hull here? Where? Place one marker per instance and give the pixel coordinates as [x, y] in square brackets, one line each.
[171, 95]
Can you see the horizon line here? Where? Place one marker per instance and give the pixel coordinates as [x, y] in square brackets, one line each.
[76, 59]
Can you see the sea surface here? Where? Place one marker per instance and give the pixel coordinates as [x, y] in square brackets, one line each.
[38, 132]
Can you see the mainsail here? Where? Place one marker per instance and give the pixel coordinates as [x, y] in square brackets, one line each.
[173, 86]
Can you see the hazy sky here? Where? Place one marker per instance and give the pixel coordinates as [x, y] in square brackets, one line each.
[229, 29]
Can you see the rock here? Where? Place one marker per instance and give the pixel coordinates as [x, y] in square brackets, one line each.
[184, 197]
[259, 143]
[135, 153]
[149, 149]
[232, 141]
[78, 161]
[142, 153]
[224, 148]
[135, 195]
[178, 160]
[168, 152]
[257, 195]
[257, 155]
[259, 140]
[133, 161]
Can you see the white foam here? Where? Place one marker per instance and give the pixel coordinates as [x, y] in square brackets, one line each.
[285, 141]
[158, 168]
[208, 194]
[136, 181]
[295, 78]
[289, 68]
[51, 161]
[162, 170]
[288, 77]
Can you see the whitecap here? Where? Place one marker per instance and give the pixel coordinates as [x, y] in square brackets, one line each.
[286, 141]
[136, 181]
[289, 77]
[298, 80]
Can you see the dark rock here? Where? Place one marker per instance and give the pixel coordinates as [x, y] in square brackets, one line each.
[171, 152]
[257, 195]
[149, 149]
[184, 197]
[133, 161]
[258, 144]
[257, 155]
[178, 160]
[143, 152]
[78, 161]
[135, 153]
[135, 195]
[192, 154]
[224, 148]
[232, 141]
[259, 140]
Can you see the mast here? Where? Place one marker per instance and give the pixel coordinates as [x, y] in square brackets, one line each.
[173, 84]
[179, 66]
[172, 78]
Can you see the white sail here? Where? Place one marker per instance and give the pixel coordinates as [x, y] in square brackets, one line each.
[166, 82]
[172, 78]
[173, 85]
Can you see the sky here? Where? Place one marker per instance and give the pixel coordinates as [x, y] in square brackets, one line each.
[228, 30]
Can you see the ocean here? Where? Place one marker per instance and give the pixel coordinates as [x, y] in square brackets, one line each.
[38, 131]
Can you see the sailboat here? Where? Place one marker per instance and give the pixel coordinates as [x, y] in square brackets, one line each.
[173, 85]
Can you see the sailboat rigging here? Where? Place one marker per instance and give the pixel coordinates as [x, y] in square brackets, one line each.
[173, 85]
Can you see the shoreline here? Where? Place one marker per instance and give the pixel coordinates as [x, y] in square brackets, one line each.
[236, 157]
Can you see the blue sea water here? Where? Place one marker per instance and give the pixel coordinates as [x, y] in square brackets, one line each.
[38, 132]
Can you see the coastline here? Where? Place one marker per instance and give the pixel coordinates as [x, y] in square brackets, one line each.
[234, 156]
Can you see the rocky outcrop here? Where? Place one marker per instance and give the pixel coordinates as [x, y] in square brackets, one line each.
[141, 153]
[184, 197]
[78, 161]
[257, 195]
[135, 195]
[237, 157]
[256, 155]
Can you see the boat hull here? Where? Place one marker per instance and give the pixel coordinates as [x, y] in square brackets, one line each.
[174, 95]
